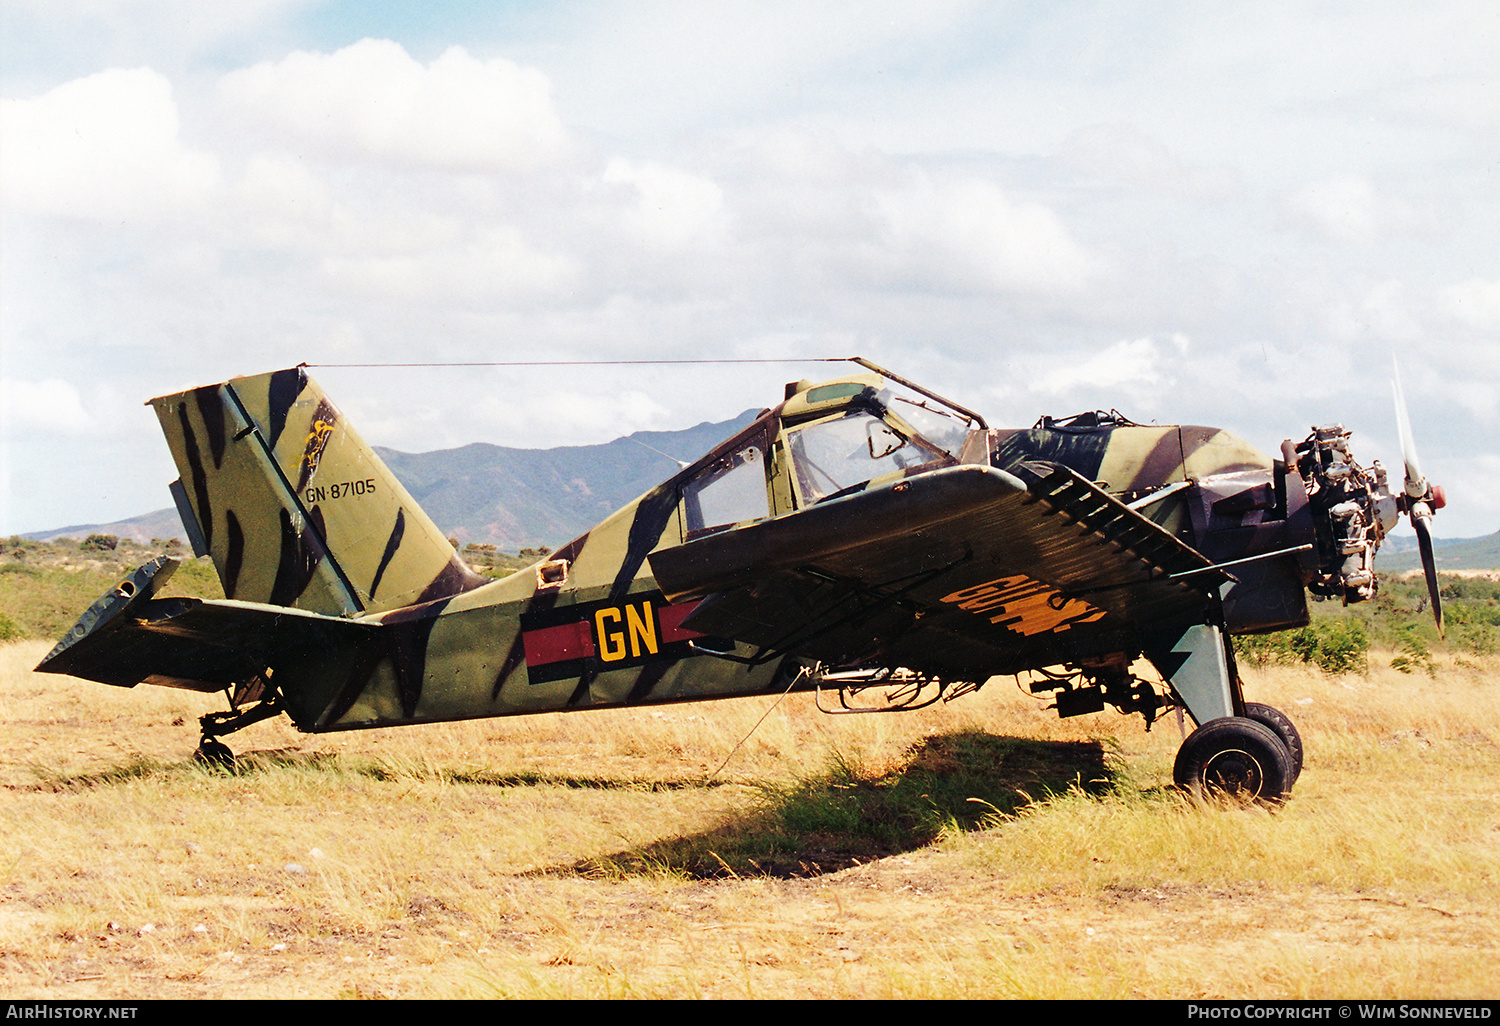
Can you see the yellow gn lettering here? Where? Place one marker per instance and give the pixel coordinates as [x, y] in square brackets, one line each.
[611, 644]
[628, 630]
[642, 624]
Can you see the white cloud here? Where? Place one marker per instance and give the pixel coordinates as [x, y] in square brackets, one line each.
[102, 148]
[49, 407]
[1349, 209]
[1477, 396]
[968, 236]
[1123, 153]
[928, 184]
[372, 101]
[671, 208]
[1382, 312]
[1125, 364]
[278, 192]
[493, 265]
[1475, 303]
[583, 416]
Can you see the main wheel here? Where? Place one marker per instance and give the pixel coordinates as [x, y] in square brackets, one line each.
[1235, 758]
[1282, 725]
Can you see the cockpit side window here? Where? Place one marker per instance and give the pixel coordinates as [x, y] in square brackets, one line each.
[730, 490]
[833, 455]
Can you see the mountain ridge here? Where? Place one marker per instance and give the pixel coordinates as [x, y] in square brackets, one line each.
[524, 498]
[510, 498]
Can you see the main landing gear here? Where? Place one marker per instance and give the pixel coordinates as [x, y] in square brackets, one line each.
[1239, 758]
[1243, 751]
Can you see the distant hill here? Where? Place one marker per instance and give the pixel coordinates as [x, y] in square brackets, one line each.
[527, 497]
[511, 498]
[1400, 554]
[162, 523]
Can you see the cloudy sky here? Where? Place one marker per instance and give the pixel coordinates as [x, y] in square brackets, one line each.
[1221, 213]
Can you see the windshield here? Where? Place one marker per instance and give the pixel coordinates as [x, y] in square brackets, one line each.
[943, 428]
[831, 456]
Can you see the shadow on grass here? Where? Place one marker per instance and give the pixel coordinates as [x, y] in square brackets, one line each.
[136, 768]
[282, 759]
[959, 781]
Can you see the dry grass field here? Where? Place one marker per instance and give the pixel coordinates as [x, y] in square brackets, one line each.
[982, 849]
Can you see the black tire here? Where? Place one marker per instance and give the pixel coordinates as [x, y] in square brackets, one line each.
[1237, 759]
[214, 754]
[1279, 722]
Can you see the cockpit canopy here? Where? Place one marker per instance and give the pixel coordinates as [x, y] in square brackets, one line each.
[827, 440]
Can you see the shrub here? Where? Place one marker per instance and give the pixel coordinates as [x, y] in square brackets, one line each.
[1334, 645]
[17, 545]
[1412, 653]
[1478, 638]
[99, 543]
[1261, 650]
[10, 630]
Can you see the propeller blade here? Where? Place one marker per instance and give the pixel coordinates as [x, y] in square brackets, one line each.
[1421, 518]
[1415, 484]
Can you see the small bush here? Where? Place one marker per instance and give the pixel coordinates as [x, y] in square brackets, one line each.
[1477, 638]
[1262, 650]
[17, 545]
[99, 543]
[1334, 645]
[1411, 652]
[10, 630]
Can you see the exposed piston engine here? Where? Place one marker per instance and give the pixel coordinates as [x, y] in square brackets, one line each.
[1353, 508]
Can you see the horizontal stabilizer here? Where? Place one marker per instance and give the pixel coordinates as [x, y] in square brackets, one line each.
[130, 637]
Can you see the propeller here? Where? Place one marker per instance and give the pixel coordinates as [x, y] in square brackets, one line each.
[1420, 498]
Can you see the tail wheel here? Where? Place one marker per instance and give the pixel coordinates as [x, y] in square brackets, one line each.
[1282, 725]
[1235, 758]
[214, 754]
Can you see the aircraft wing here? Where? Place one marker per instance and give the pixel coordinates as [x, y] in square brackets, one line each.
[129, 637]
[963, 572]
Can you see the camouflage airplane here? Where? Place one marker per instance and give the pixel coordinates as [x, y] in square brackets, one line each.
[865, 538]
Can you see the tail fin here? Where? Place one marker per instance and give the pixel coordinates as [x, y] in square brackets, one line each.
[294, 507]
